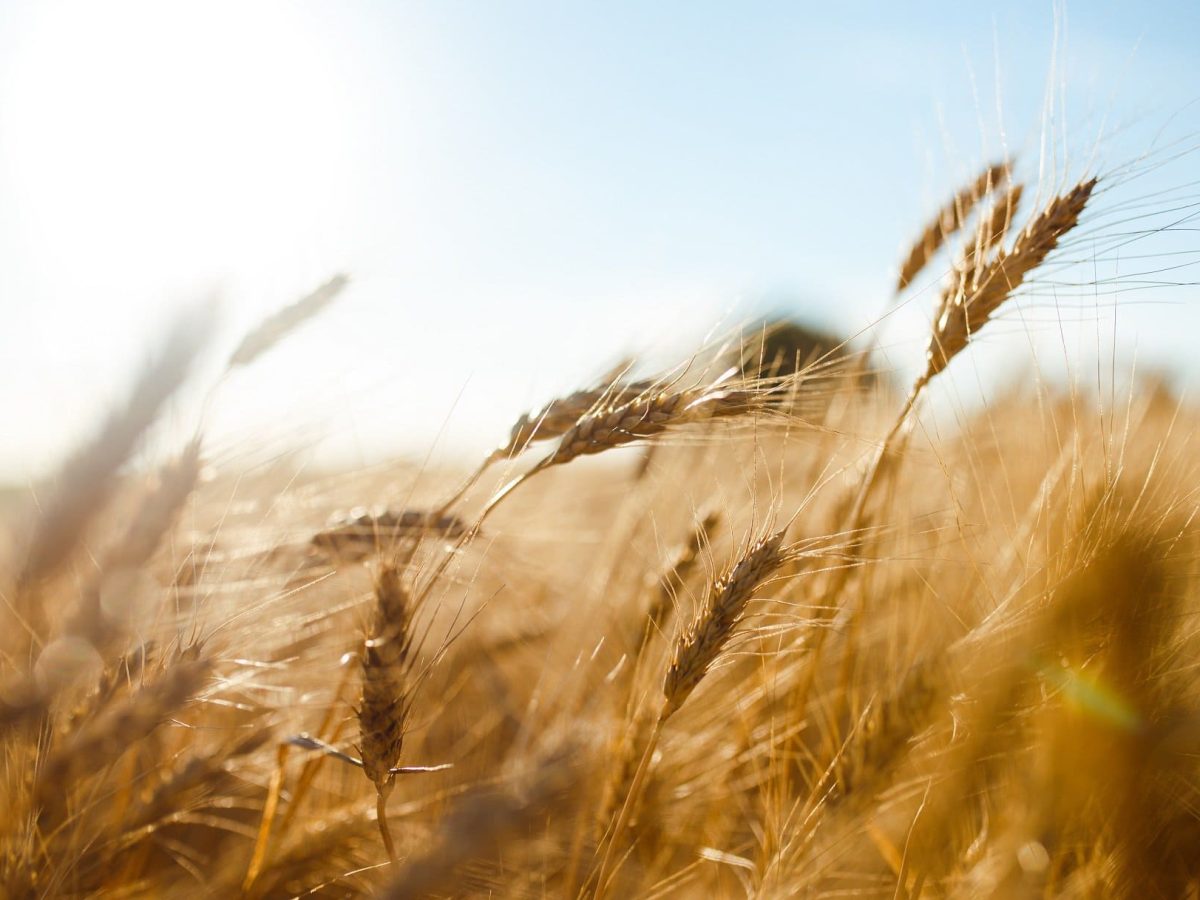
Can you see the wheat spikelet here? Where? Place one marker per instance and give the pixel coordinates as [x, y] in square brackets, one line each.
[639, 419]
[698, 647]
[949, 219]
[280, 324]
[976, 252]
[553, 420]
[974, 303]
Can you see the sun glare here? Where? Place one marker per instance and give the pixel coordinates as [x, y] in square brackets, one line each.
[196, 139]
[152, 155]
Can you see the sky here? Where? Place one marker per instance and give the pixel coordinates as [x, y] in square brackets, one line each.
[523, 192]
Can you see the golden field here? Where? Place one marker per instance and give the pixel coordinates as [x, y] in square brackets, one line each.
[759, 625]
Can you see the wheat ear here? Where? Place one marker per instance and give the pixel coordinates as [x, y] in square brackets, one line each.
[976, 300]
[948, 220]
[696, 649]
[552, 421]
[387, 665]
[273, 329]
[639, 419]
[958, 318]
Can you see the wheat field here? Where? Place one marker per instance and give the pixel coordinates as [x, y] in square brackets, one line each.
[753, 626]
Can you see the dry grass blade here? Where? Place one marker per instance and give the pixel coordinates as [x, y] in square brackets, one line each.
[279, 325]
[949, 219]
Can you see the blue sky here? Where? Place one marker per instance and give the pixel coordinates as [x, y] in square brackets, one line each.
[520, 191]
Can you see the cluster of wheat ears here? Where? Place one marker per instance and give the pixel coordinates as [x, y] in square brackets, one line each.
[808, 647]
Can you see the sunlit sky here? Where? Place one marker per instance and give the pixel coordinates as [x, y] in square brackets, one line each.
[520, 191]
